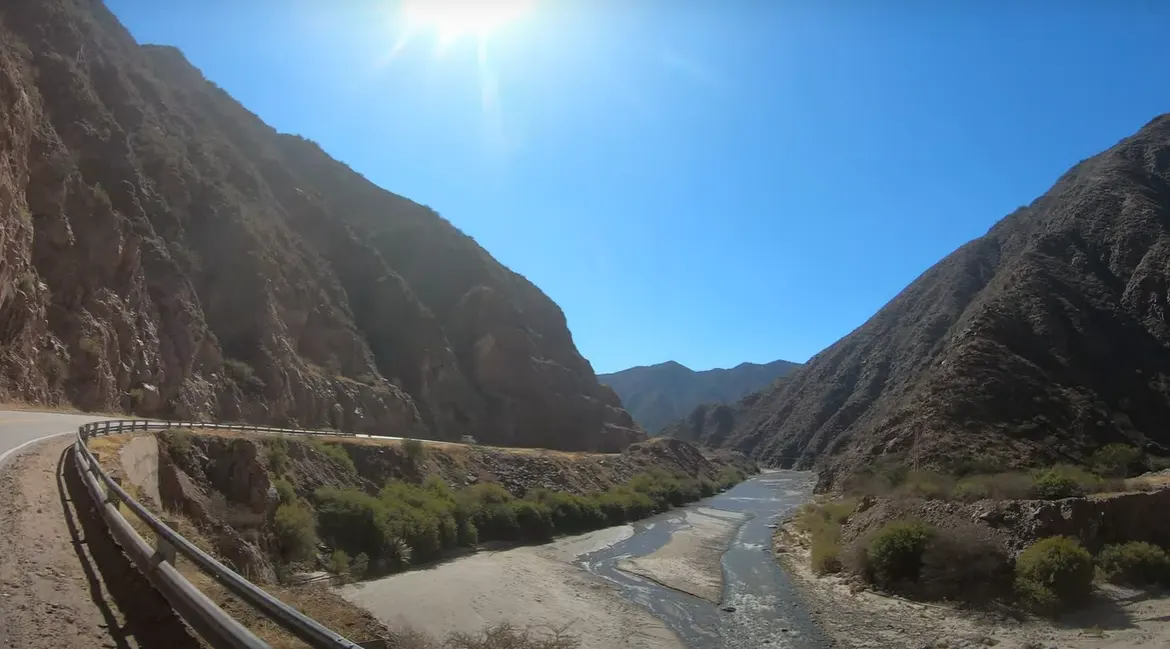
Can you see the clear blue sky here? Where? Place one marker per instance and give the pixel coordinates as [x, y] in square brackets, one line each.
[709, 182]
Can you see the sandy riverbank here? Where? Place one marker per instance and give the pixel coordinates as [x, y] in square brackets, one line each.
[690, 561]
[535, 587]
[860, 619]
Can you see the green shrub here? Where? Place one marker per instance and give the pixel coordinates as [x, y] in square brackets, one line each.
[1134, 564]
[825, 554]
[348, 520]
[339, 563]
[335, 451]
[285, 492]
[570, 512]
[406, 522]
[277, 455]
[414, 450]
[1117, 460]
[893, 555]
[296, 531]
[1065, 481]
[1053, 574]
[822, 522]
[997, 486]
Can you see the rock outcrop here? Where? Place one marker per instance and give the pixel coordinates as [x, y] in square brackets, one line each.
[165, 252]
[1042, 341]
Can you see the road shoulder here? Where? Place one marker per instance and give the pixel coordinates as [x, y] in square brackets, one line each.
[55, 555]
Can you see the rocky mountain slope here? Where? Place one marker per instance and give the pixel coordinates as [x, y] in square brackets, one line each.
[166, 252]
[1040, 341]
[656, 395]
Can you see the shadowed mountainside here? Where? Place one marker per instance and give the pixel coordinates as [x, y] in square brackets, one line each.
[1041, 341]
[166, 252]
[655, 395]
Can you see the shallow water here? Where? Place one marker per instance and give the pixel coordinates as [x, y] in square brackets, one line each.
[768, 610]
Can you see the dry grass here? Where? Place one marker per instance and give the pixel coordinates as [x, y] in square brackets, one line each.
[1148, 483]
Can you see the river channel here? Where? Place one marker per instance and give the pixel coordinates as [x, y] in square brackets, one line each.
[697, 577]
[767, 611]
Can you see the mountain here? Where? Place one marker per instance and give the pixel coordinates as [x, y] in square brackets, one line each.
[166, 252]
[658, 394]
[1038, 342]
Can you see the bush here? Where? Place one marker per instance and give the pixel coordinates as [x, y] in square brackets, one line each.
[296, 531]
[285, 492]
[348, 520]
[1134, 564]
[825, 554]
[1053, 574]
[339, 563]
[414, 450]
[1117, 460]
[997, 486]
[964, 564]
[406, 522]
[1065, 481]
[893, 556]
[336, 452]
[277, 455]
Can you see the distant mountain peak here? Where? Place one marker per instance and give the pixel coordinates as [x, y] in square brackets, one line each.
[658, 394]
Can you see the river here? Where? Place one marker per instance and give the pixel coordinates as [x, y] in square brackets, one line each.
[587, 584]
[768, 610]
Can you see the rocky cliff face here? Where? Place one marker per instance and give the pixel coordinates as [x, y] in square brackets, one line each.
[1041, 341]
[165, 252]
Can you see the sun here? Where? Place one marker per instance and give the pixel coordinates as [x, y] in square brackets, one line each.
[452, 19]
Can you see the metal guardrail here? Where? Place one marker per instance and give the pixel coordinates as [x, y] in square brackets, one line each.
[218, 628]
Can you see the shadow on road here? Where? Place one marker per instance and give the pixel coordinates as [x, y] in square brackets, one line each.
[112, 578]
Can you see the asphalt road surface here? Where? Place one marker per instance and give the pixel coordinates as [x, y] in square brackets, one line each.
[19, 429]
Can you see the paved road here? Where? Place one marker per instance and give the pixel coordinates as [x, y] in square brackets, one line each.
[19, 428]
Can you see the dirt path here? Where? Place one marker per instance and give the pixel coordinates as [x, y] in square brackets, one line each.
[53, 557]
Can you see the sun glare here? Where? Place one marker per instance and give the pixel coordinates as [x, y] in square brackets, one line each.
[451, 19]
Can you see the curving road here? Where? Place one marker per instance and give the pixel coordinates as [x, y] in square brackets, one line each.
[19, 429]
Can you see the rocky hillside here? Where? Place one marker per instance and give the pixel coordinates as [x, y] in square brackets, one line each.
[657, 394]
[1040, 341]
[166, 252]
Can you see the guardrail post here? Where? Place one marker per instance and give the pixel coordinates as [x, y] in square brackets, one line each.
[162, 547]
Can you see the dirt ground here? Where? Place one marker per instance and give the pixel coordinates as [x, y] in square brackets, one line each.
[1117, 618]
[533, 587]
[53, 555]
[691, 561]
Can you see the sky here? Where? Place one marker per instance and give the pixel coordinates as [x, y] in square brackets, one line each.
[691, 180]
